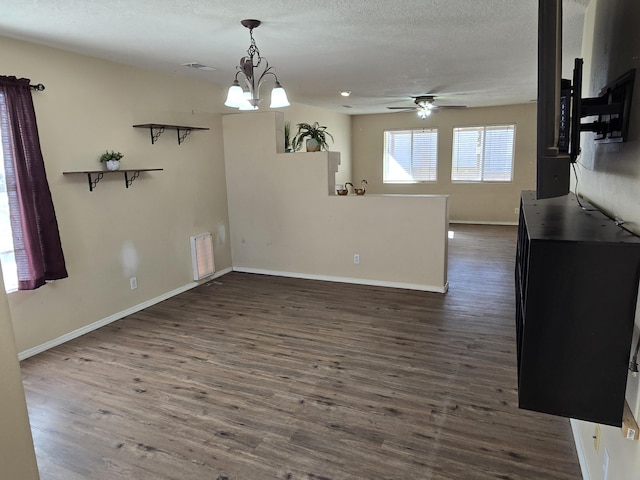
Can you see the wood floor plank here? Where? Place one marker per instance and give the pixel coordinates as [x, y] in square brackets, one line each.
[258, 377]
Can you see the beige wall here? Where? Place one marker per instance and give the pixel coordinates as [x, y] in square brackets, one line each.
[284, 221]
[609, 176]
[114, 232]
[17, 458]
[490, 202]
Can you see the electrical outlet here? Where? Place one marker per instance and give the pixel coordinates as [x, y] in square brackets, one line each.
[356, 258]
[517, 210]
[133, 282]
[596, 438]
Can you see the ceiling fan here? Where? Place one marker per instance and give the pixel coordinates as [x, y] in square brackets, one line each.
[425, 106]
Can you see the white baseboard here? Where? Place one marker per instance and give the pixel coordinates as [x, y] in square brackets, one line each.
[116, 316]
[359, 281]
[478, 222]
[580, 449]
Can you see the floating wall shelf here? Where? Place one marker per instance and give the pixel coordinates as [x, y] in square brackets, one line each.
[157, 129]
[94, 176]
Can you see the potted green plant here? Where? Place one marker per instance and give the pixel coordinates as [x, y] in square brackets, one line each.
[287, 136]
[111, 159]
[315, 135]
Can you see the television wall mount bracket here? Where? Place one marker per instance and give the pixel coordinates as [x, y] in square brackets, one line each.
[612, 109]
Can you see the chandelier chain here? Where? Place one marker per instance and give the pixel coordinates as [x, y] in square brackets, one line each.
[253, 49]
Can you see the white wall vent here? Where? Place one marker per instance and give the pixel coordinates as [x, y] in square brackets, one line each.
[202, 255]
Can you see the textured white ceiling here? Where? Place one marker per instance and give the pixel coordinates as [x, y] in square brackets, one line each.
[470, 52]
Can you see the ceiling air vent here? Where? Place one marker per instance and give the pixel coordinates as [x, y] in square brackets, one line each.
[198, 66]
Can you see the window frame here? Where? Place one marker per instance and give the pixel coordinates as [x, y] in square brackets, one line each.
[511, 126]
[386, 157]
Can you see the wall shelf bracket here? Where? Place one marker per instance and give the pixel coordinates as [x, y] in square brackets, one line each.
[128, 180]
[155, 136]
[93, 182]
[185, 133]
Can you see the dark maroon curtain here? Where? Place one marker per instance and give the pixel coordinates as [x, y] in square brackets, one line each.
[36, 240]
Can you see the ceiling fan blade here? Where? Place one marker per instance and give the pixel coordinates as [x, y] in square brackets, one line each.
[450, 107]
[402, 108]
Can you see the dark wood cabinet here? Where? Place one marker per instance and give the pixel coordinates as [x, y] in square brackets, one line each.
[576, 280]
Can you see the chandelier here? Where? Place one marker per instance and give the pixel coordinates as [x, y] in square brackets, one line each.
[249, 99]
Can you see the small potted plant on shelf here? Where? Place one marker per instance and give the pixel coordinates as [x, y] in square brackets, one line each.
[315, 135]
[111, 159]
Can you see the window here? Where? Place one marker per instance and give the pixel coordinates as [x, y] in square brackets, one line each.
[483, 154]
[7, 257]
[410, 156]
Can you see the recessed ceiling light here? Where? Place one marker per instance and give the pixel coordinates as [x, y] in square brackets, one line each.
[345, 93]
[198, 66]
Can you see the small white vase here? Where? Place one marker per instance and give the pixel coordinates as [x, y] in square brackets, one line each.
[113, 165]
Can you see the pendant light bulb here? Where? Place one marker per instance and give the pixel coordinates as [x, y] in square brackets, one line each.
[279, 97]
[235, 96]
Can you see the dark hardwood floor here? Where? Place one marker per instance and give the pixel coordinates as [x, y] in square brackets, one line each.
[255, 377]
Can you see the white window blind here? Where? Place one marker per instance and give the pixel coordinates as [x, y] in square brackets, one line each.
[7, 256]
[410, 156]
[483, 154]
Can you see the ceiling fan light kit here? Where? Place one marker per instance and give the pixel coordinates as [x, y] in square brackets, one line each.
[249, 99]
[424, 112]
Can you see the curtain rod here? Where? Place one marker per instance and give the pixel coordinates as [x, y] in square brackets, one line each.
[39, 87]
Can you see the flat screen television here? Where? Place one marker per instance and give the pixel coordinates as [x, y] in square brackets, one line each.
[553, 160]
